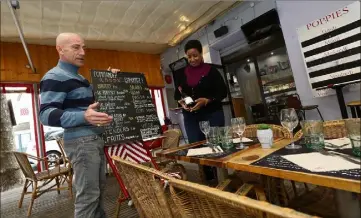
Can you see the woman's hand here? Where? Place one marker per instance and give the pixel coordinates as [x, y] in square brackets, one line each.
[183, 104]
[200, 102]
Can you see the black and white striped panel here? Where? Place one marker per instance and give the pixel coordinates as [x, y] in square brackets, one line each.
[333, 57]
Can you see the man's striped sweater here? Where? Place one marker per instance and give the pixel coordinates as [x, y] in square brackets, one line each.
[64, 97]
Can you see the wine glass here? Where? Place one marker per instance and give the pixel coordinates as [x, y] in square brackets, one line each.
[205, 128]
[238, 127]
[289, 120]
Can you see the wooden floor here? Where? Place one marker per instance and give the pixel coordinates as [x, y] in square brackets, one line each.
[52, 205]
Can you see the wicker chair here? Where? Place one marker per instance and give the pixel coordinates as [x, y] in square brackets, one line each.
[278, 131]
[195, 200]
[186, 199]
[171, 140]
[145, 190]
[332, 129]
[65, 159]
[59, 173]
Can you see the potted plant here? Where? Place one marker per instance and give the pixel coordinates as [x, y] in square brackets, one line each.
[265, 135]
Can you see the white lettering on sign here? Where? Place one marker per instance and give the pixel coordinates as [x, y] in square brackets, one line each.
[133, 80]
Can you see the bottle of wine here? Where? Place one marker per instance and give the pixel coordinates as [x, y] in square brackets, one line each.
[187, 99]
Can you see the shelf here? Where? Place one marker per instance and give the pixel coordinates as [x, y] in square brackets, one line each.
[280, 92]
[280, 81]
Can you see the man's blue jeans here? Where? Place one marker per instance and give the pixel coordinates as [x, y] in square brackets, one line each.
[87, 157]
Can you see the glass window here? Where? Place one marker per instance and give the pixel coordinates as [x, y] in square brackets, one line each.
[24, 131]
[52, 149]
[157, 96]
[276, 74]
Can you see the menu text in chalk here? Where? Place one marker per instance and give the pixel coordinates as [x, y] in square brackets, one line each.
[125, 97]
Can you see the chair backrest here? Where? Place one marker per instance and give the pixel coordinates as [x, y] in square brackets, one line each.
[144, 188]
[172, 138]
[25, 165]
[293, 102]
[258, 112]
[278, 131]
[61, 147]
[332, 129]
[195, 200]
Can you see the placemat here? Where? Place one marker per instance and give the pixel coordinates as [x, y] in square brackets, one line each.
[225, 152]
[275, 160]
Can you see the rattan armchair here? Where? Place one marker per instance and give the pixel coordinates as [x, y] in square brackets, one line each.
[278, 131]
[144, 188]
[186, 199]
[65, 160]
[332, 129]
[58, 173]
[195, 200]
[171, 140]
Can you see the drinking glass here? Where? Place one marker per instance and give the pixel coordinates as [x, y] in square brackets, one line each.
[213, 135]
[225, 139]
[289, 120]
[205, 127]
[353, 127]
[238, 127]
[313, 134]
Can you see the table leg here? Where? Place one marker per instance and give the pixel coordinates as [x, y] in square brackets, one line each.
[358, 111]
[348, 204]
[222, 174]
[353, 112]
[341, 102]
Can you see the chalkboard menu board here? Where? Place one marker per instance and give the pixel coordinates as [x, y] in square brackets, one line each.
[126, 97]
[331, 49]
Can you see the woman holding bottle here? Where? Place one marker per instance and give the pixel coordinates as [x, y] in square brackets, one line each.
[200, 92]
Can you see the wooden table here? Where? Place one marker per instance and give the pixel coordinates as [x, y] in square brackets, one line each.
[237, 161]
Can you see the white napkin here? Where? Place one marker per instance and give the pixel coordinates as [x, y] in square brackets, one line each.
[244, 139]
[202, 151]
[338, 142]
[317, 162]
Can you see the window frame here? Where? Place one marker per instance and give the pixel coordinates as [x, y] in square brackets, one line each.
[29, 89]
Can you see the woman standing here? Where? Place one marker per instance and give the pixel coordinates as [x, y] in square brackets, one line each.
[207, 88]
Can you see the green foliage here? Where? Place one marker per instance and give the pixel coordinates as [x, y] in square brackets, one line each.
[263, 127]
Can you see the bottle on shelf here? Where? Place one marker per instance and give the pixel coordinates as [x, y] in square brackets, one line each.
[187, 99]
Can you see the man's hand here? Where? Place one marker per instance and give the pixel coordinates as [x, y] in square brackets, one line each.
[200, 102]
[113, 70]
[97, 118]
[183, 104]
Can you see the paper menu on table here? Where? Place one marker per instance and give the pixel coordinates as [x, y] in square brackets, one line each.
[244, 139]
[202, 151]
[338, 143]
[317, 162]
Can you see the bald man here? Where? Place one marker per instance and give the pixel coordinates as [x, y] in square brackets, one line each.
[67, 101]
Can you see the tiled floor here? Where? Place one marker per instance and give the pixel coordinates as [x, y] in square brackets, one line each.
[52, 205]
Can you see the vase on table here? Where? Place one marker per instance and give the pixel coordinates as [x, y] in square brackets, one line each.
[265, 136]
